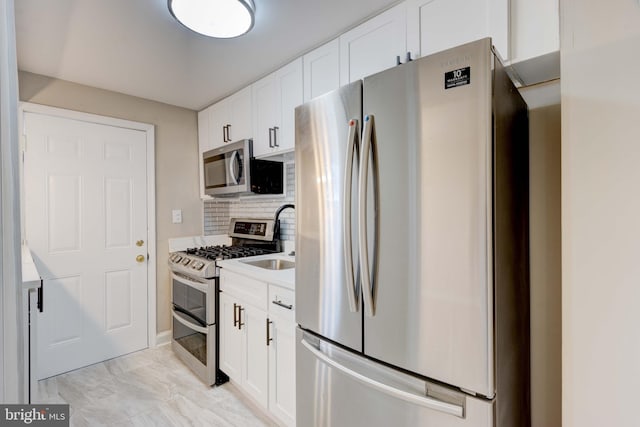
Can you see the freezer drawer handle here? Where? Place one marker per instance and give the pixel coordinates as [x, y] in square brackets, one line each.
[352, 147]
[427, 402]
[365, 273]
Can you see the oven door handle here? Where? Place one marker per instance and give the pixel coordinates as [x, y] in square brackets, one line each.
[199, 286]
[186, 323]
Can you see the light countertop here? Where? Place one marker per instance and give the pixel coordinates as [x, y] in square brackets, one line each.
[285, 278]
[30, 275]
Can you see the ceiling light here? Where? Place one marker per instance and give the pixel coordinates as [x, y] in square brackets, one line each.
[214, 18]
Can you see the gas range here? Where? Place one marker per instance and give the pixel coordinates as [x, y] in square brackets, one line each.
[250, 237]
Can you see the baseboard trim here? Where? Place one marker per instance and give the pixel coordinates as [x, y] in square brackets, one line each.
[163, 338]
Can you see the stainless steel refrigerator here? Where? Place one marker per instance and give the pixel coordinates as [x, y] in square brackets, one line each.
[412, 271]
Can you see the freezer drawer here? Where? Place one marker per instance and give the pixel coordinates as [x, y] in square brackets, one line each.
[338, 388]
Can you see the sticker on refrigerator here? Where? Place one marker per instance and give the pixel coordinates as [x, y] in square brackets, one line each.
[459, 77]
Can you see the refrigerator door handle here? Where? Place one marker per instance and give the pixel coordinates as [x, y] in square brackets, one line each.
[346, 216]
[365, 273]
[417, 399]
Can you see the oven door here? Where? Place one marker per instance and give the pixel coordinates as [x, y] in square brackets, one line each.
[195, 298]
[194, 343]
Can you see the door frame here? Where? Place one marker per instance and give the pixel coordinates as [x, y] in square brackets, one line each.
[149, 129]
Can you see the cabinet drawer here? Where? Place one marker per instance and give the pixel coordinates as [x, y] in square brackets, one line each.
[244, 288]
[282, 302]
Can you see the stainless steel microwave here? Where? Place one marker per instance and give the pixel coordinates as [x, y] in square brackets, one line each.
[231, 170]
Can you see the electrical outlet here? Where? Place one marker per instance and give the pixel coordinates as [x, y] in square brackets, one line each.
[176, 216]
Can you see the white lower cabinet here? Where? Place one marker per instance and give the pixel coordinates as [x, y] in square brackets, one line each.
[255, 373]
[230, 338]
[257, 342]
[282, 370]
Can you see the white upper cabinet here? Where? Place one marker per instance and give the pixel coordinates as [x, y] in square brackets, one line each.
[230, 119]
[290, 95]
[264, 114]
[535, 40]
[275, 98]
[374, 45]
[218, 120]
[321, 70]
[435, 25]
[535, 28]
[240, 125]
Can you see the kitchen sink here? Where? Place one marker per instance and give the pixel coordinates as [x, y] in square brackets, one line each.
[272, 264]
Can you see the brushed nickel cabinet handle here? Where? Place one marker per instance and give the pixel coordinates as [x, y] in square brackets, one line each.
[267, 323]
[240, 324]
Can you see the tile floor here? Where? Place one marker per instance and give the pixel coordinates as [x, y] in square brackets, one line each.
[147, 388]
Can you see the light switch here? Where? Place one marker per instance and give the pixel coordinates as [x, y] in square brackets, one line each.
[176, 215]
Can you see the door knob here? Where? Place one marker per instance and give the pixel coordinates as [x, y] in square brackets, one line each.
[140, 243]
[140, 258]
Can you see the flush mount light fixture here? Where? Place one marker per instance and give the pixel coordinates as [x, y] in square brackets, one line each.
[214, 18]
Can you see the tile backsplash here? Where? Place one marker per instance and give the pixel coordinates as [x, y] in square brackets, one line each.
[217, 212]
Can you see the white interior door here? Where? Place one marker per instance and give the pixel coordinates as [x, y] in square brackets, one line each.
[86, 223]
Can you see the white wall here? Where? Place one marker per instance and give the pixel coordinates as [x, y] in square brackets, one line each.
[600, 212]
[546, 271]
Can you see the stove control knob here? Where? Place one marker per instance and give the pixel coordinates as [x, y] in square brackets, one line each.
[177, 259]
[186, 261]
[199, 266]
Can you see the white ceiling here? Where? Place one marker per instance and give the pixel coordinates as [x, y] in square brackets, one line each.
[137, 48]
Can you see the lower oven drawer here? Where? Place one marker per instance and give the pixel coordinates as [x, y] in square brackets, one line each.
[195, 345]
[190, 335]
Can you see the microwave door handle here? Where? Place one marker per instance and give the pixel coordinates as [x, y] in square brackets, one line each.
[346, 216]
[233, 172]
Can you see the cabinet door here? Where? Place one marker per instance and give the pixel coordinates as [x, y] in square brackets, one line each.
[435, 25]
[289, 95]
[374, 45]
[264, 114]
[256, 366]
[218, 119]
[321, 69]
[282, 370]
[204, 144]
[239, 106]
[231, 340]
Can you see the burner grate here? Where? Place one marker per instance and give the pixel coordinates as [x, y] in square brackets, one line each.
[222, 252]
